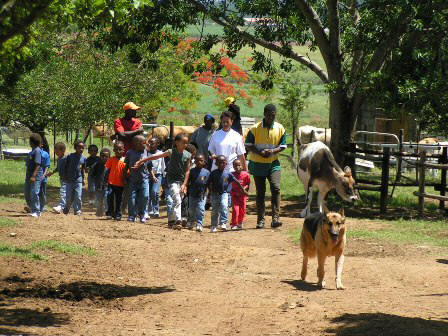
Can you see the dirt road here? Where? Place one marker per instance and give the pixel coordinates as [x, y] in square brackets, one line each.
[149, 280]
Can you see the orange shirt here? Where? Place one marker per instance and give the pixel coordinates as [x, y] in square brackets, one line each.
[116, 167]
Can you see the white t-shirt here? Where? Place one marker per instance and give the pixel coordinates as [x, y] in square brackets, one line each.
[230, 144]
[158, 166]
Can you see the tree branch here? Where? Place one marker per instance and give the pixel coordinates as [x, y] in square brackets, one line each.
[333, 25]
[222, 21]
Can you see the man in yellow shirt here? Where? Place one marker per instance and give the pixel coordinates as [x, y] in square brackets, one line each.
[265, 141]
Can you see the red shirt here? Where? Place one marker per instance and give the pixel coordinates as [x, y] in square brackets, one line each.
[126, 125]
[244, 179]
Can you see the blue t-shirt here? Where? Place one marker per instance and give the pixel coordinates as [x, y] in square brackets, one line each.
[142, 173]
[220, 181]
[61, 167]
[33, 159]
[91, 160]
[46, 163]
[73, 167]
[198, 181]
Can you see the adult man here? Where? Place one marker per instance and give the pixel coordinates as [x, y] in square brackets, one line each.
[201, 137]
[128, 127]
[265, 141]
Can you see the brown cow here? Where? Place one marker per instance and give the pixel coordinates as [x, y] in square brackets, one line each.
[163, 132]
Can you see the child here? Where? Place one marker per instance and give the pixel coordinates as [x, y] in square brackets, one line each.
[116, 168]
[46, 162]
[138, 179]
[59, 149]
[177, 174]
[184, 206]
[155, 180]
[90, 161]
[33, 176]
[75, 166]
[239, 199]
[99, 176]
[197, 186]
[220, 183]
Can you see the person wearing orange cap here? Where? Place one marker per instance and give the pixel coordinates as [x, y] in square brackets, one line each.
[129, 126]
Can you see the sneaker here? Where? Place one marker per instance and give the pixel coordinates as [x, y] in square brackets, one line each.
[143, 220]
[213, 229]
[34, 215]
[199, 228]
[78, 213]
[147, 215]
[240, 226]
[156, 215]
[58, 209]
[131, 219]
[234, 227]
[108, 217]
[260, 224]
[276, 223]
[27, 209]
[223, 227]
[118, 218]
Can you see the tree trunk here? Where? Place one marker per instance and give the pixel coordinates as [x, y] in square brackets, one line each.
[341, 124]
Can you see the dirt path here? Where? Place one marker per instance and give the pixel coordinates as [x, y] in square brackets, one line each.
[148, 280]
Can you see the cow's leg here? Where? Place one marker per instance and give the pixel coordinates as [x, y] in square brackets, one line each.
[321, 269]
[309, 198]
[339, 264]
[304, 267]
[321, 200]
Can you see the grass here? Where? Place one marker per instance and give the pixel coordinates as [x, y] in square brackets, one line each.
[6, 222]
[62, 247]
[14, 251]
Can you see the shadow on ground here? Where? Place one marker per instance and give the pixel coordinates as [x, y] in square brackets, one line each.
[77, 291]
[442, 261]
[302, 285]
[374, 324]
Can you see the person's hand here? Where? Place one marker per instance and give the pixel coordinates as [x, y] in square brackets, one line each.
[265, 153]
[33, 179]
[138, 164]
[155, 179]
[183, 189]
[48, 174]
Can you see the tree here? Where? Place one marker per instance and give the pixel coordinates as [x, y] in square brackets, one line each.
[295, 93]
[355, 39]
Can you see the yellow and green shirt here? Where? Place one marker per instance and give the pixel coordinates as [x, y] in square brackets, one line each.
[263, 137]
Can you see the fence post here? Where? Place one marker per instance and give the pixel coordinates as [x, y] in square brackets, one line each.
[351, 160]
[384, 179]
[443, 160]
[54, 141]
[421, 183]
[400, 158]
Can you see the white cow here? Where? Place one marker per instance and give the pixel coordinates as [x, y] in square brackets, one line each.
[317, 167]
[307, 134]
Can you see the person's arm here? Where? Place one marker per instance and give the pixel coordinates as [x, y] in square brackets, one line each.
[83, 171]
[33, 176]
[183, 188]
[149, 158]
[38, 163]
[244, 191]
[280, 147]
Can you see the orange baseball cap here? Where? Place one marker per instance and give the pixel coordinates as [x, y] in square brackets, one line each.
[130, 106]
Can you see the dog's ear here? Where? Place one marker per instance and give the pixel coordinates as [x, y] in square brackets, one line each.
[341, 212]
[347, 171]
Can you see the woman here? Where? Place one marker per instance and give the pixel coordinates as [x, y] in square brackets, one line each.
[227, 142]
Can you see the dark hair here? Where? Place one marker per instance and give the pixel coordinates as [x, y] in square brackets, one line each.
[226, 114]
[59, 146]
[190, 148]
[138, 138]
[35, 139]
[235, 109]
[92, 147]
[77, 142]
[270, 108]
[105, 150]
[180, 136]
[221, 157]
[119, 142]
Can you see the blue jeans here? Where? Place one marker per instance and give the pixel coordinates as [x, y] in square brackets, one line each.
[220, 208]
[138, 198]
[43, 195]
[31, 192]
[196, 209]
[154, 189]
[62, 194]
[73, 196]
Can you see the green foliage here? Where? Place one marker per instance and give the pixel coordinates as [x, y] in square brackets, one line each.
[6, 222]
[7, 250]
[62, 247]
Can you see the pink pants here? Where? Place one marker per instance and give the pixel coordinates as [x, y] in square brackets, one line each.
[238, 209]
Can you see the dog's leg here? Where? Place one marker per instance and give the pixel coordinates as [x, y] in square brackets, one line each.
[339, 264]
[321, 269]
[304, 267]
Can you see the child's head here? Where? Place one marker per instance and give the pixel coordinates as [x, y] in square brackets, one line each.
[79, 146]
[191, 149]
[199, 160]
[181, 142]
[154, 144]
[238, 166]
[221, 162]
[35, 140]
[139, 143]
[119, 148]
[92, 150]
[104, 155]
[59, 149]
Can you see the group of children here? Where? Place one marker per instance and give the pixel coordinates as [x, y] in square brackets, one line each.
[138, 177]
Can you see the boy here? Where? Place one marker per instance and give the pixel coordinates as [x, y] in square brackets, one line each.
[90, 162]
[239, 199]
[197, 186]
[59, 149]
[99, 176]
[46, 163]
[75, 166]
[220, 183]
[158, 169]
[33, 176]
[116, 168]
[138, 179]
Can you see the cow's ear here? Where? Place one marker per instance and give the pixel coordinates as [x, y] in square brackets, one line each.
[341, 212]
[347, 171]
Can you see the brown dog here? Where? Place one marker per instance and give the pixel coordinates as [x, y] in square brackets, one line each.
[324, 235]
